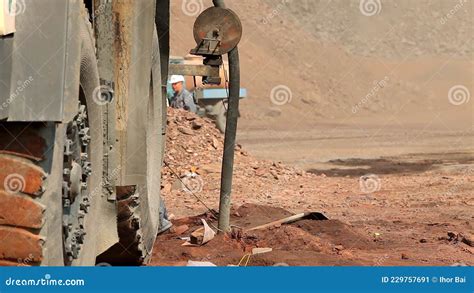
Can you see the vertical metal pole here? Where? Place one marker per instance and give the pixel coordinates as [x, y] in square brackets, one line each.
[230, 134]
[229, 141]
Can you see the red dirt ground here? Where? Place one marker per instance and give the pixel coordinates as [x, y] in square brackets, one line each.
[308, 243]
[405, 220]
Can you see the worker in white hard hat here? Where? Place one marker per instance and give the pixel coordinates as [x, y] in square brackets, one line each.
[182, 98]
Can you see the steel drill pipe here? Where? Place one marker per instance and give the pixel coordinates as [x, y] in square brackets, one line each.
[230, 135]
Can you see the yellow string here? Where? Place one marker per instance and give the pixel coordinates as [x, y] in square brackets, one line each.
[247, 257]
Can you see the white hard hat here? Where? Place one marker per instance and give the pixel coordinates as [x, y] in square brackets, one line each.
[176, 78]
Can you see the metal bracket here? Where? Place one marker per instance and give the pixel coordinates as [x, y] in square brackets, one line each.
[216, 32]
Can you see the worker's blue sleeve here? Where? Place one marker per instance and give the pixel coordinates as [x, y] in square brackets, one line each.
[189, 103]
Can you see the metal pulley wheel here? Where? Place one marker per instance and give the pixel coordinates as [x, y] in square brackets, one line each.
[216, 31]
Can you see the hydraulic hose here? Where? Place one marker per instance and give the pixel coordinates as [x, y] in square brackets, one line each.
[230, 135]
[219, 3]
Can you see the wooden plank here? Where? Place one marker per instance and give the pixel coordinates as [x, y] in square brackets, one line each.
[193, 70]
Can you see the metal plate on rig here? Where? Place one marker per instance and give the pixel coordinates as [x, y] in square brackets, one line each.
[225, 22]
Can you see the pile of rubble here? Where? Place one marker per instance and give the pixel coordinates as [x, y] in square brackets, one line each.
[193, 161]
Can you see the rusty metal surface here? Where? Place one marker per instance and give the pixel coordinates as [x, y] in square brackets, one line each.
[123, 12]
[125, 33]
[129, 42]
[216, 31]
[134, 25]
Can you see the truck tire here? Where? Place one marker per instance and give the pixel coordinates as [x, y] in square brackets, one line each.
[50, 177]
[30, 195]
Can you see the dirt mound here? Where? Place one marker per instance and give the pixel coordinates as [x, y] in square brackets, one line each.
[250, 215]
[336, 232]
[191, 141]
[290, 244]
[287, 238]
